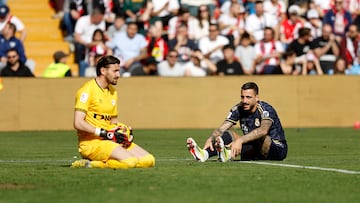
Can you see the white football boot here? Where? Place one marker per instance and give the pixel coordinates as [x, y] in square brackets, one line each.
[199, 154]
[223, 152]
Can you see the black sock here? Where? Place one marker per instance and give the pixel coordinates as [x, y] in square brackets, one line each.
[227, 138]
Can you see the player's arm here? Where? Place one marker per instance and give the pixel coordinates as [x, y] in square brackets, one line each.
[255, 134]
[216, 133]
[80, 123]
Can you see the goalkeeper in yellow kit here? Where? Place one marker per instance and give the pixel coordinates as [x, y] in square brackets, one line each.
[103, 141]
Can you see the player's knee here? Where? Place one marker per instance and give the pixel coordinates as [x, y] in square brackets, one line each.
[146, 161]
[131, 162]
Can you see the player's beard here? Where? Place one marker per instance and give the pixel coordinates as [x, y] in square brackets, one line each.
[247, 107]
[112, 80]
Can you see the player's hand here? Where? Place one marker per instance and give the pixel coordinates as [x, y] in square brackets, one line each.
[124, 139]
[108, 134]
[236, 147]
[209, 144]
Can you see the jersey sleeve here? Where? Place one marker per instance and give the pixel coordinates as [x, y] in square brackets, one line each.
[268, 113]
[234, 115]
[82, 99]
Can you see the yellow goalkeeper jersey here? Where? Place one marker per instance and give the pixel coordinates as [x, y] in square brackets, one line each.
[100, 105]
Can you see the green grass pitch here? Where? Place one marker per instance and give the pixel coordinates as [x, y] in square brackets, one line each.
[34, 167]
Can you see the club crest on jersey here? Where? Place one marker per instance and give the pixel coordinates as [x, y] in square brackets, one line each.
[257, 122]
[265, 114]
[84, 97]
[113, 102]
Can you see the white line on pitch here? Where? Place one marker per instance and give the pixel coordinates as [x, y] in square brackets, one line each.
[304, 167]
[177, 159]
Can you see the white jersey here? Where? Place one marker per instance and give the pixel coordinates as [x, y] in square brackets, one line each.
[14, 20]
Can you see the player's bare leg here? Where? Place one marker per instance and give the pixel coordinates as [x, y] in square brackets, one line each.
[145, 159]
[266, 146]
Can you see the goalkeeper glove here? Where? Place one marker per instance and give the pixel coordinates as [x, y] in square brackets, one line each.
[106, 134]
[123, 138]
[117, 135]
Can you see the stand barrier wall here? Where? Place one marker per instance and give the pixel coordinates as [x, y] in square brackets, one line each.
[175, 103]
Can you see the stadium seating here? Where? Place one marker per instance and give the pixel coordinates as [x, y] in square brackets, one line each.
[44, 36]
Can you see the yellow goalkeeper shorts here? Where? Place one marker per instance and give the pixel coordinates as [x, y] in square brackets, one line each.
[97, 150]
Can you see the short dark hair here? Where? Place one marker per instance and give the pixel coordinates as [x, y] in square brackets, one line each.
[13, 50]
[183, 10]
[304, 32]
[245, 35]
[12, 26]
[132, 23]
[250, 85]
[288, 53]
[229, 46]
[98, 9]
[216, 25]
[104, 61]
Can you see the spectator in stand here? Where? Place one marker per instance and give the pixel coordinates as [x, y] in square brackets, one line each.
[225, 7]
[77, 8]
[183, 18]
[90, 71]
[229, 65]
[119, 25]
[130, 47]
[165, 10]
[289, 28]
[171, 67]
[203, 22]
[8, 41]
[255, 23]
[268, 53]
[323, 6]
[84, 30]
[98, 40]
[353, 6]
[276, 8]
[301, 46]
[59, 68]
[312, 66]
[157, 46]
[109, 15]
[212, 45]
[287, 64]
[58, 6]
[246, 54]
[14, 67]
[182, 44]
[194, 5]
[349, 45]
[354, 9]
[314, 23]
[6, 17]
[232, 24]
[144, 17]
[132, 7]
[339, 19]
[340, 67]
[199, 66]
[250, 6]
[326, 49]
[149, 68]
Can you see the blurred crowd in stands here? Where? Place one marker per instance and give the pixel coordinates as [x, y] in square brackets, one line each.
[197, 38]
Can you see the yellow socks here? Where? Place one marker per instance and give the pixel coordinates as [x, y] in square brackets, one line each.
[124, 164]
[146, 161]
